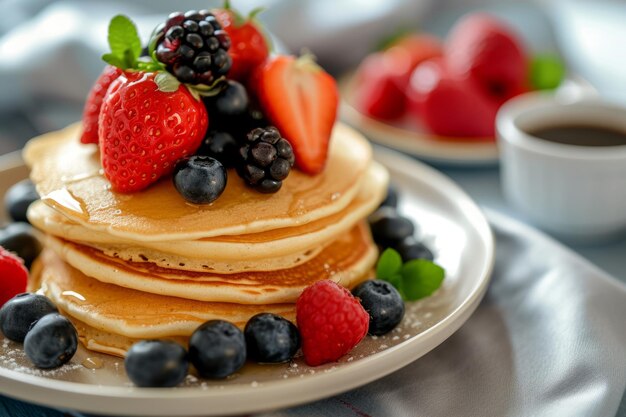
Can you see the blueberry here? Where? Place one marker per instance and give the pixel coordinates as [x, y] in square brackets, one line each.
[18, 198]
[231, 101]
[21, 239]
[392, 198]
[200, 179]
[271, 338]
[19, 313]
[156, 363]
[383, 303]
[217, 349]
[410, 249]
[221, 146]
[51, 342]
[389, 228]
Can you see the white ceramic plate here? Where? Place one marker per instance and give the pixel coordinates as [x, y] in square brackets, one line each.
[450, 222]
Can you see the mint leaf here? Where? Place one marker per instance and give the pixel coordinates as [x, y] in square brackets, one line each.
[113, 60]
[546, 72]
[421, 278]
[124, 42]
[389, 265]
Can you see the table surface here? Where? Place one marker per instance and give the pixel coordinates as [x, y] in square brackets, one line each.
[483, 185]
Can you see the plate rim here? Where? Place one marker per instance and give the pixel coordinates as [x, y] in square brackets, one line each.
[313, 387]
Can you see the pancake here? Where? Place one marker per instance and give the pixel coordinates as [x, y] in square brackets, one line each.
[69, 178]
[264, 251]
[110, 318]
[348, 261]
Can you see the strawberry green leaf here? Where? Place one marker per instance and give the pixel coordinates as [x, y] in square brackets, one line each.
[389, 265]
[113, 60]
[166, 82]
[124, 41]
[421, 278]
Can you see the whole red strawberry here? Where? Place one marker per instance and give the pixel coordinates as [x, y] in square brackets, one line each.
[93, 104]
[13, 276]
[301, 100]
[144, 131]
[248, 47]
[331, 322]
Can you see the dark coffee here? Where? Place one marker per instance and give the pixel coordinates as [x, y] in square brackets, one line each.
[581, 135]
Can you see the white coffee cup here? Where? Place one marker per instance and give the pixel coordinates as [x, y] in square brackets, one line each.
[575, 192]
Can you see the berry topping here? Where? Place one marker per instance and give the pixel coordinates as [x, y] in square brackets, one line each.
[200, 179]
[331, 322]
[217, 349]
[410, 249]
[231, 101]
[94, 103]
[144, 131]
[301, 100]
[222, 146]
[13, 280]
[193, 47]
[267, 159]
[155, 363]
[248, 45]
[19, 313]
[383, 303]
[21, 239]
[271, 338]
[389, 228]
[51, 342]
[18, 198]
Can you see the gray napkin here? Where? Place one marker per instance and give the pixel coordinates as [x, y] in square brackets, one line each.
[549, 339]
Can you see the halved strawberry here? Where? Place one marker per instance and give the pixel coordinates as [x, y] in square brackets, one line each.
[301, 100]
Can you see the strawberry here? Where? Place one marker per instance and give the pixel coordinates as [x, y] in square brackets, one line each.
[248, 48]
[380, 83]
[450, 106]
[419, 47]
[301, 100]
[94, 103]
[144, 131]
[331, 322]
[485, 50]
[13, 276]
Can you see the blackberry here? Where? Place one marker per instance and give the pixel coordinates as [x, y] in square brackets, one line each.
[267, 159]
[193, 46]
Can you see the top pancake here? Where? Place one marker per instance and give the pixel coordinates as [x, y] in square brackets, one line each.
[69, 178]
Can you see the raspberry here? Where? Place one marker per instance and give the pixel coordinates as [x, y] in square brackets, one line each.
[267, 159]
[331, 322]
[13, 276]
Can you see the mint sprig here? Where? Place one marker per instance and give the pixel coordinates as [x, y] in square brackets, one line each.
[124, 43]
[414, 279]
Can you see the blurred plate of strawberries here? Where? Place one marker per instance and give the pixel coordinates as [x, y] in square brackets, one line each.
[437, 99]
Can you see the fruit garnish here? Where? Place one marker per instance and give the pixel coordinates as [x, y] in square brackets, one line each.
[383, 303]
[331, 322]
[301, 100]
[415, 279]
[271, 338]
[19, 313]
[249, 47]
[449, 105]
[144, 130]
[21, 239]
[192, 46]
[266, 160]
[217, 349]
[489, 53]
[18, 198]
[389, 228]
[51, 342]
[546, 72]
[410, 248]
[200, 179]
[231, 101]
[13, 275]
[156, 363]
[91, 112]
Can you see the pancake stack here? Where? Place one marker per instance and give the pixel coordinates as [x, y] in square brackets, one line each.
[127, 267]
